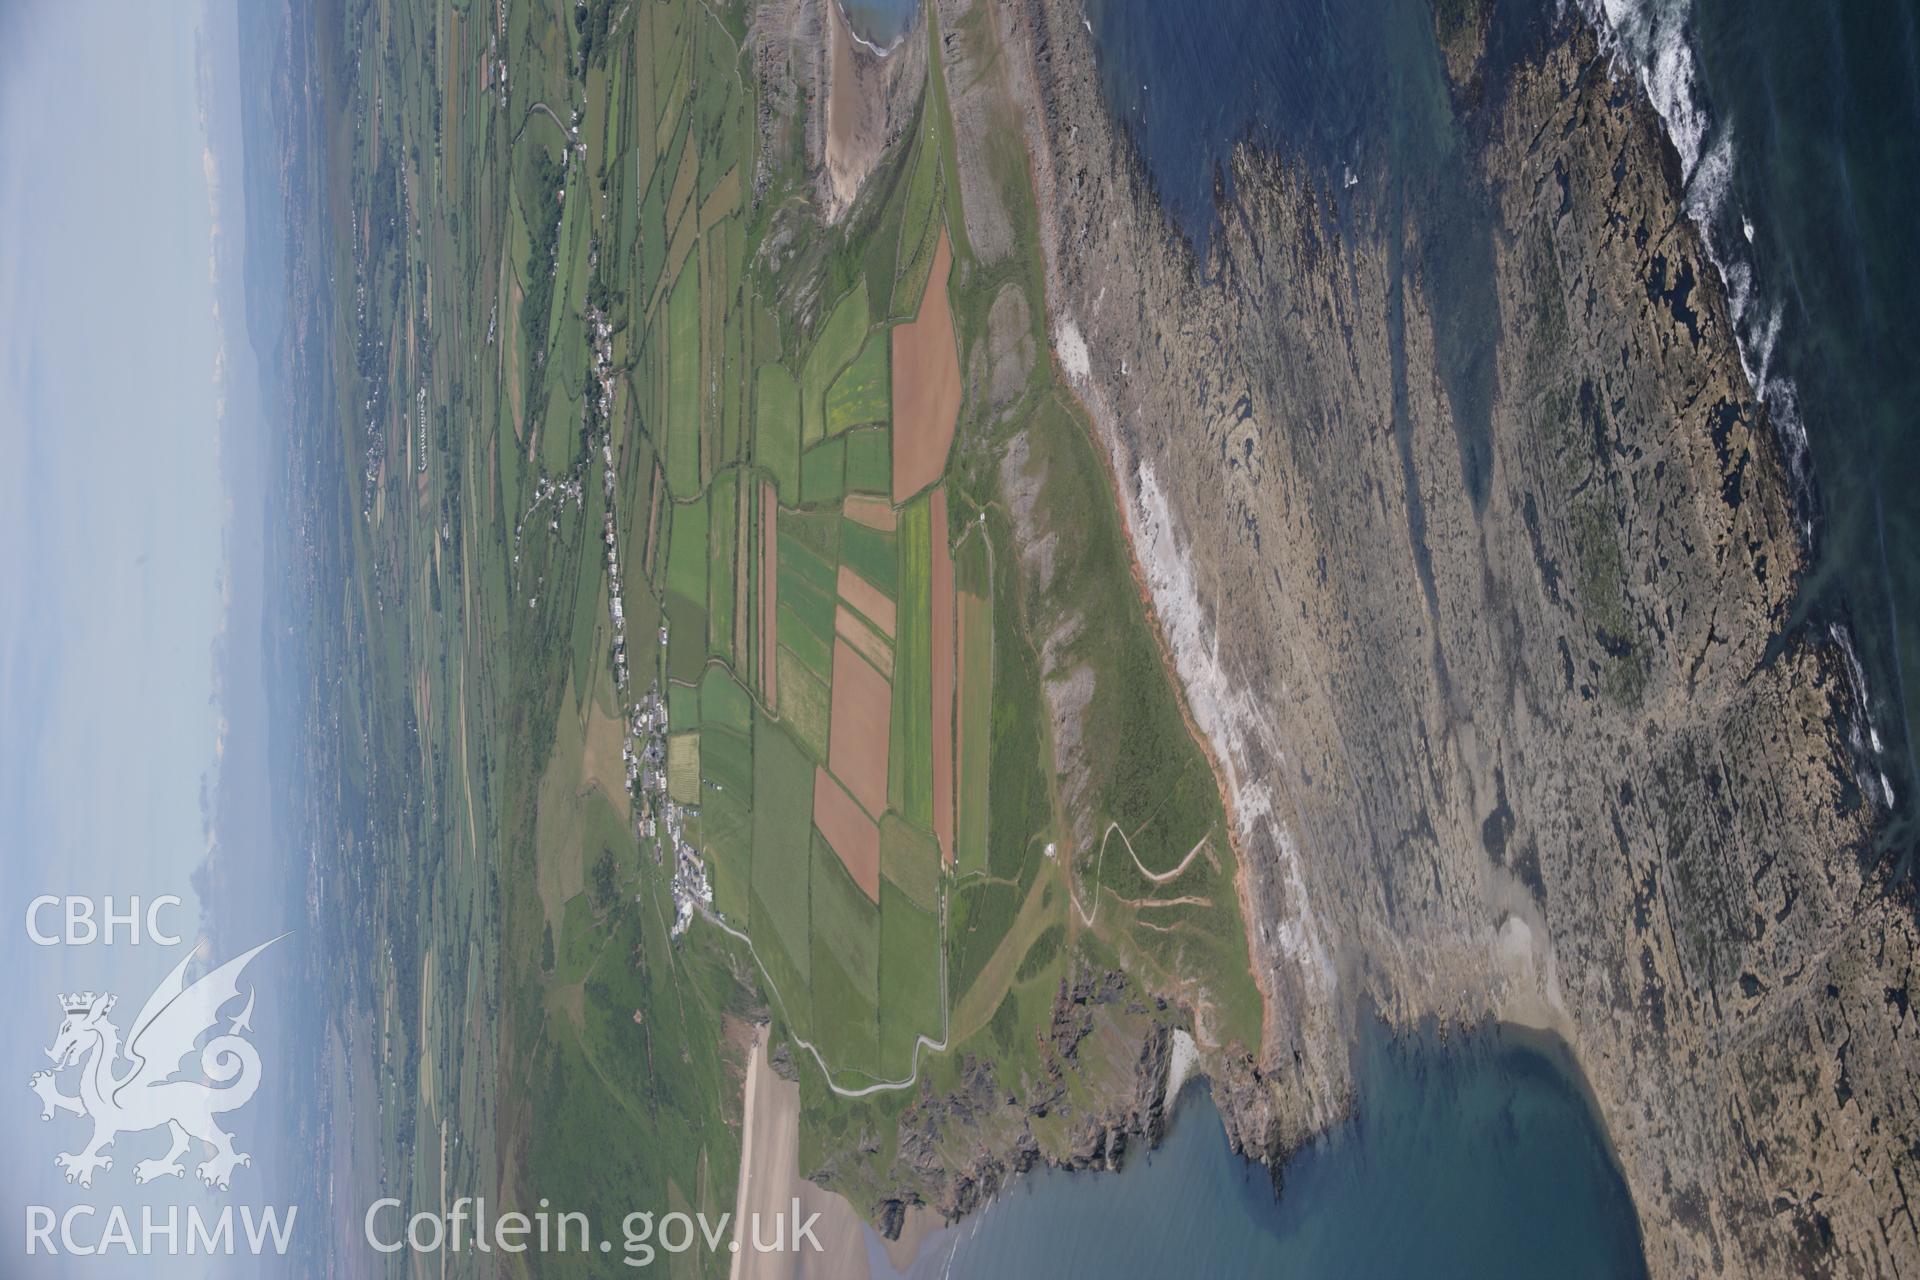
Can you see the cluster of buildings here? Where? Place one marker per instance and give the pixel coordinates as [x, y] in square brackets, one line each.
[600, 330]
[558, 493]
[662, 819]
[493, 67]
[610, 536]
[691, 888]
[615, 609]
[645, 754]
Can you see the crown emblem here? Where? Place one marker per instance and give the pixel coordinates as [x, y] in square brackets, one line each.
[82, 1003]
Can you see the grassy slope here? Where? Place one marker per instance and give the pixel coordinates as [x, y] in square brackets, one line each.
[1010, 929]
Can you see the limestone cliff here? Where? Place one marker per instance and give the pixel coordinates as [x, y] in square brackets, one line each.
[1499, 667]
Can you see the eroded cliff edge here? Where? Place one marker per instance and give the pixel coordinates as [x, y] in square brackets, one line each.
[1487, 661]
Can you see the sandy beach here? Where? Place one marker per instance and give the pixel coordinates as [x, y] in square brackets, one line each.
[856, 111]
[770, 1181]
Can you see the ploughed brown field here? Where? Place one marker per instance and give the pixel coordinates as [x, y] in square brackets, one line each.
[848, 626]
[872, 511]
[943, 657]
[926, 385]
[859, 727]
[868, 599]
[853, 835]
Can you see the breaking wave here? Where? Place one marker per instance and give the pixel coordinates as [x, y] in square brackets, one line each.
[1651, 38]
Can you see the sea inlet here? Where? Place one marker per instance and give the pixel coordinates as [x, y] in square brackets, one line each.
[1474, 1155]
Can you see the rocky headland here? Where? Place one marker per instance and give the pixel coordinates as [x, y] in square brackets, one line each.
[1491, 634]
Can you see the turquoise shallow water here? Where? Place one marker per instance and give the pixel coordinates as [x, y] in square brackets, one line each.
[1474, 1158]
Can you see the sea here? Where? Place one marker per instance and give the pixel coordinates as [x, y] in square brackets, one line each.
[1797, 128]
[880, 24]
[1477, 1155]
[1797, 124]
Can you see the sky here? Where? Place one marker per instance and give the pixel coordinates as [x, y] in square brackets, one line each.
[118, 616]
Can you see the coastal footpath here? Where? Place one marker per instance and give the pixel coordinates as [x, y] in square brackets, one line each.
[1495, 659]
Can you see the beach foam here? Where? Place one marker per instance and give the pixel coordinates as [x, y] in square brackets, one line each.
[872, 46]
[1224, 708]
[1650, 37]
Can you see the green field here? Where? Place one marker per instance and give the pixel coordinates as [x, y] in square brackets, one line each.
[871, 554]
[727, 825]
[723, 703]
[808, 589]
[688, 564]
[776, 429]
[687, 639]
[839, 341]
[726, 765]
[910, 861]
[846, 963]
[910, 997]
[723, 550]
[862, 394]
[813, 649]
[683, 385]
[823, 472]
[803, 701]
[870, 460]
[783, 841]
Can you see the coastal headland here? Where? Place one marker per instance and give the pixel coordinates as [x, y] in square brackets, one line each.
[1498, 663]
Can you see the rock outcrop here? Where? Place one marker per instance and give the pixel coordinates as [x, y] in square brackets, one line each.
[1499, 666]
[964, 1143]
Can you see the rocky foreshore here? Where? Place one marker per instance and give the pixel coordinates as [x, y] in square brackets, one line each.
[995, 1125]
[1501, 671]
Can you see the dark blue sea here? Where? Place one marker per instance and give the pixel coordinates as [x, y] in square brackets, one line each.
[1815, 105]
[1474, 1158]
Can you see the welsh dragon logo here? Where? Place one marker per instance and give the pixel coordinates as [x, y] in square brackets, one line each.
[148, 1090]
